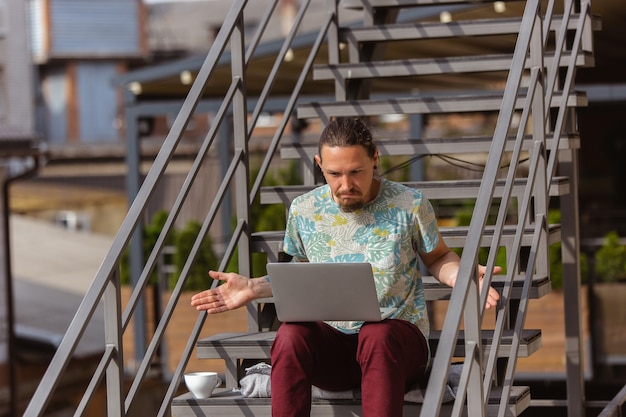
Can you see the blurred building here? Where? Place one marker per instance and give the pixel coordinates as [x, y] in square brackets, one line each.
[57, 59]
[78, 47]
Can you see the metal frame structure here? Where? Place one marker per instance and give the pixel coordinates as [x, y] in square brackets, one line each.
[534, 100]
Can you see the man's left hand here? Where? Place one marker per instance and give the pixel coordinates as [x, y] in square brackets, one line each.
[493, 296]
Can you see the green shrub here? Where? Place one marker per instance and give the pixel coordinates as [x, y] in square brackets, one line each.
[182, 241]
[263, 218]
[556, 257]
[150, 235]
[197, 278]
[267, 217]
[464, 216]
[610, 259]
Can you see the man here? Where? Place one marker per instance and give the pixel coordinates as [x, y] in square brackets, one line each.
[355, 217]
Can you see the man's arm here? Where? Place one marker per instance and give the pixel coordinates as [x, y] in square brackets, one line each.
[443, 263]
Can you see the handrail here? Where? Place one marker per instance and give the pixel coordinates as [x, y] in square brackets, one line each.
[280, 58]
[144, 367]
[164, 321]
[568, 84]
[153, 257]
[465, 295]
[613, 408]
[472, 351]
[231, 31]
[273, 146]
[512, 259]
[531, 38]
[177, 206]
[540, 226]
[191, 342]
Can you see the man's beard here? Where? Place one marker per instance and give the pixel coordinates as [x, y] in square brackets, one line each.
[351, 207]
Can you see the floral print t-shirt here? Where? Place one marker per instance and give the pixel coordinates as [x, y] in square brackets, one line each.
[387, 232]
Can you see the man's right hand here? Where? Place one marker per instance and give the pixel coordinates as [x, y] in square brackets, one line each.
[234, 292]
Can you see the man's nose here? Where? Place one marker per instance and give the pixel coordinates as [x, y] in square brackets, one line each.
[345, 182]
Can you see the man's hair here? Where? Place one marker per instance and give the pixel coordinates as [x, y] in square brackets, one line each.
[347, 131]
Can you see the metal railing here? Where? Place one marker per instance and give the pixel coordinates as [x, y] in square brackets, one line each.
[467, 302]
[615, 407]
[106, 284]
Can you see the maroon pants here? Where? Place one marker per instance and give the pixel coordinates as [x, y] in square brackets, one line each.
[383, 359]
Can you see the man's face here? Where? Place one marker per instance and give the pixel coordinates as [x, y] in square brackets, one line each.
[349, 172]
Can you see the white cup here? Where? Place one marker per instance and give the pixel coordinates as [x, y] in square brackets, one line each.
[202, 384]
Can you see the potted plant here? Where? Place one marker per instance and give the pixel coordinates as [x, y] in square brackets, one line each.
[609, 301]
[611, 260]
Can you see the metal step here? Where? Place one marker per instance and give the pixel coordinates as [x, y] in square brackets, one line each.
[229, 403]
[234, 347]
[435, 290]
[455, 236]
[430, 146]
[433, 190]
[432, 104]
[271, 242]
[433, 66]
[454, 29]
[539, 287]
[358, 4]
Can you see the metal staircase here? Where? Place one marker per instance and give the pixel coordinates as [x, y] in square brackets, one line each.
[550, 41]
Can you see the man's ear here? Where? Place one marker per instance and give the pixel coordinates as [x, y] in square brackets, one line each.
[376, 159]
[319, 173]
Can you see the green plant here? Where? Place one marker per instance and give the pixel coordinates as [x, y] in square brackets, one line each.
[150, 235]
[267, 217]
[556, 266]
[197, 278]
[463, 217]
[182, 241]
[610, 259]
[556, 257]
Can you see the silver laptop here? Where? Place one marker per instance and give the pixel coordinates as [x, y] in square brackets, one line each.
[325, 292]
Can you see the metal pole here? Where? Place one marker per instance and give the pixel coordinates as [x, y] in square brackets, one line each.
[242, 176]
[225, 134]
[133, 183]
[570, 249]
[113, 335]
[416, 129]
[6, 276]
[5, 279]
